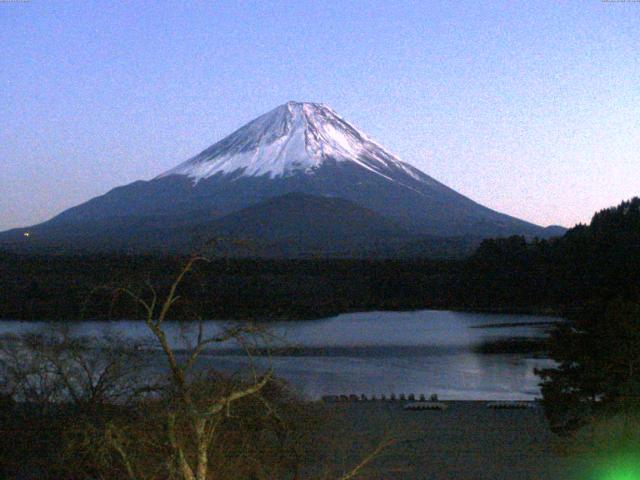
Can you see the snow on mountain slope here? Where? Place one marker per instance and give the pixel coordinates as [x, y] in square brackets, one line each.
[294, 137]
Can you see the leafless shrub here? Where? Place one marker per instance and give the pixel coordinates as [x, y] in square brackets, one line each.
[55, 367]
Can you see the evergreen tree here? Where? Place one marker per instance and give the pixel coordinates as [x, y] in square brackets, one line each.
[598, 364]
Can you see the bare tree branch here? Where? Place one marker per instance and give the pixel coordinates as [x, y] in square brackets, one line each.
[368, 459]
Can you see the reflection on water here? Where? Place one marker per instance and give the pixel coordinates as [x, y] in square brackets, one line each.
[373, 353]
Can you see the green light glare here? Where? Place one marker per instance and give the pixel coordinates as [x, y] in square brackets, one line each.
[621, 468]
[607, 449]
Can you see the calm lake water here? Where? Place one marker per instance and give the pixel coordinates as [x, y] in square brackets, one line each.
[375, 353]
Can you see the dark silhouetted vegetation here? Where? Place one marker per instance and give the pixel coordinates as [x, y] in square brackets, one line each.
[597, 349]
[598, 371]
[56, 287]
[598, 261]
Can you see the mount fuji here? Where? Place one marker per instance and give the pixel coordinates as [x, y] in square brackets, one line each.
[299, 175]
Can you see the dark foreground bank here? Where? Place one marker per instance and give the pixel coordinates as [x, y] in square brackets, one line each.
[468, 440]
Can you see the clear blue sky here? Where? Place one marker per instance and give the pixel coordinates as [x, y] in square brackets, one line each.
[529, 107]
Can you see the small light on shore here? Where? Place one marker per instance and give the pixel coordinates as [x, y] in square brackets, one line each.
[27, 234]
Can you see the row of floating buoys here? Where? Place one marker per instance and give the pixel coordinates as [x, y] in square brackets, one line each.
[421, 403]
[510, 405]
[382, 398]
[425, 406]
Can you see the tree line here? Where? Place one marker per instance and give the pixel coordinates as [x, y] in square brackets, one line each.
[596, 261]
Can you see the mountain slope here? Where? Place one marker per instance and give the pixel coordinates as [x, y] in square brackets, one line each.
[290, 225]
[299, 224]
[298, 215]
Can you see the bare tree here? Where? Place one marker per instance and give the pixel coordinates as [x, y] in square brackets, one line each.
[197, 410]
[190, 449]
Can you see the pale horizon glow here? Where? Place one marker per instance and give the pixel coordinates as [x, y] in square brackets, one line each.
[529, 108]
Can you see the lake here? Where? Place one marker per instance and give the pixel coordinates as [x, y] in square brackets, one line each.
[375, 353]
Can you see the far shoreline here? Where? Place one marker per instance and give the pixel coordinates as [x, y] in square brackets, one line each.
[322, 315]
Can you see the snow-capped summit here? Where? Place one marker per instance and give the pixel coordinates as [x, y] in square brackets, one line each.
[294, 137]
